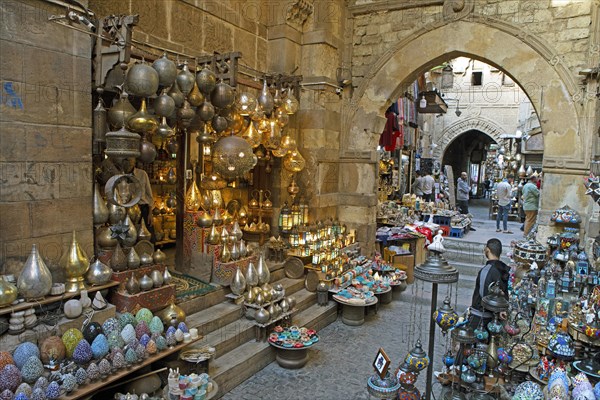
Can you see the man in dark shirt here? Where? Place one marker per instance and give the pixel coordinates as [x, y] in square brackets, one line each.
[493, 271]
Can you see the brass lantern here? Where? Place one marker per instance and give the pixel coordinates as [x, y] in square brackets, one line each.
[232, 157]
[285, 218]
[296, 215]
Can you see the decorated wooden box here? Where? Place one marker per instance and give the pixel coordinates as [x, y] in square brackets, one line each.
[222, 273]
[154, 299]
[123, 276]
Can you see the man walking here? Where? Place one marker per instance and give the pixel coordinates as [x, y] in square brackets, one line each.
[428, 186]
[493, 271]
[531, 200]
[504, 194]
[462, 193]
[417, 186]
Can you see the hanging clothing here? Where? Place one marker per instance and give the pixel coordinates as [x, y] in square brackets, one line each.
[390, 133]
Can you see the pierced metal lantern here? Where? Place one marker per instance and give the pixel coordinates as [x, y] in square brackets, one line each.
[495, 301]
[417, 358]
[436, 270]
[232, 157]
[122, 144]
[445, 316]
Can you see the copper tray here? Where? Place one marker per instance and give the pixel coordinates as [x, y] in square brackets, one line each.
[294, 268]
[311, 281]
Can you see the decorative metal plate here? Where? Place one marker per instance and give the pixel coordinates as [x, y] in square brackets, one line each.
[311, 281]
[144, 246]
[294, 268]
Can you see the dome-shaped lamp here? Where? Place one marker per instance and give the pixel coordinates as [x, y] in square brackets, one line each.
[417, 358]
[495, 300]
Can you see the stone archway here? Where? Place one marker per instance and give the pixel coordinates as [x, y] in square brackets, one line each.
[531, 63]
[453, 131]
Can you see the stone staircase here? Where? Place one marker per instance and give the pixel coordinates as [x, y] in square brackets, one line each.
[223, 326]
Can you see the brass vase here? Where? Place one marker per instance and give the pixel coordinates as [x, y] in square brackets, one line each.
[35, 280]
[98, 273]
[251, 275]
[236, 231]
[100, 211]
[118, 261]
[224, 235]
[213, 236]
[195, 97]
[8, 293]
[243, 249]
[204, 220]
[238, 283]
[159, 257]
[235, 252]
[192, 197]
[142, 121]
[225, 254]
[262, 270]
[75, 264]
[172, 315]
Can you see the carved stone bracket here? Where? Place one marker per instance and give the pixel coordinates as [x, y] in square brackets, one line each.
[298, 12]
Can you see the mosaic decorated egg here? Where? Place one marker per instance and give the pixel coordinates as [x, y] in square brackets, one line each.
[183, 327]
[32, 370]
[580, 379]
[144, 339]
[115, 341]
[142, 329]
[71, 339]
[21, 396]
[104, 367]
[151, 347]
[529, 390]
[171, 330]
[156, 326]
[81, 376]
[140, 352]
[128, 333]
[127, 318]
[41, 383]
[10, 378]
[52, 348]
[23, 352]
[83, 352]
[130, 356]
[561, 344]
[558, 390]
[53, 391]
[5, 359]
[560, 375]
[161, 343]
[38, 394]
[24, 388]
[171, 341]
[93, 372]
[597, 390]
[144, 315]
[583, 393]
[118, 361]
[7, 395]
[111, 325]
[69, 383]
[92, 330]
[100, 346]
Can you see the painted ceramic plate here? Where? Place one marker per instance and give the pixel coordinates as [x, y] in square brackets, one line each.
[294, 268]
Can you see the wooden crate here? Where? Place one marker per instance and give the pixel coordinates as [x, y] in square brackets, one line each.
[154, 299]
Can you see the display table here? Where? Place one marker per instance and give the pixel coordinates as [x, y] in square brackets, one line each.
[385, 296]
[397, 289]
[353, 313]
[291, 357]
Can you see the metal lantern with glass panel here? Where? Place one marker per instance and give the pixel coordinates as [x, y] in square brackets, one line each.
[285, 218]
[296, 214]
[295, 237]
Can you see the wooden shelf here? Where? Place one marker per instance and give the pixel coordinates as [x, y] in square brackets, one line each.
[163, 242]
[52, 299]
[115, 376]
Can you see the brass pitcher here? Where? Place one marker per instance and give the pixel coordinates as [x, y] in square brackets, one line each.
[75, 264]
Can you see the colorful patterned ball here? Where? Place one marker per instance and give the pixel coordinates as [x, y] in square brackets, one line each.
[140, 352]
[83, 352]
[111, 325]
[144, 315]
[81, 376]
[21, 396]
[52, 348]
[558, 390]
[161, 343]
[183, 327]
[127, 318]
[7, 395]
[151, 347]
[104, 367]
[38, 394]
[24, 388]
[93, 372]
[128, 333]
[144, 339]
[41, 383]
[5, 359]
[100, 346]
[32, 369]
[559, 376]
[23, 352]
[583, 393]
[10, 378]
[409, 393]
[118, 361]
[171, 341]
[131, 356]
[156, 326]
[529, 390]
[53, 391]
[91, 331]
[115, 341]
[142, 329]
[71, 339]
[69, 383]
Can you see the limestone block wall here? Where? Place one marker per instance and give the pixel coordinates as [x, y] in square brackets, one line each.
[45, 132]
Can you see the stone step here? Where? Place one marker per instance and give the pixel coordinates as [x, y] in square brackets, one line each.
[237, 365]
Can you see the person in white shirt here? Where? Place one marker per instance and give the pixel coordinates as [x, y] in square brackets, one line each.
[428, 187]
[417, 186]
[504, 194]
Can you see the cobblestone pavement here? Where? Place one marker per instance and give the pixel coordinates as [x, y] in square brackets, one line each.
[341, 362]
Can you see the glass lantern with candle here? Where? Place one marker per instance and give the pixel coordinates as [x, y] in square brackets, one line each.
[296, 215]
[302, 232]
[316, 258]
[285, 218]
[294, 237]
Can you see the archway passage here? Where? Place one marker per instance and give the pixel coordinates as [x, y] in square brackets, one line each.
[468, 153]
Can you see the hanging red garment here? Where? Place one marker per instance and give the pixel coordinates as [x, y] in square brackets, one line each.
[387, 139]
